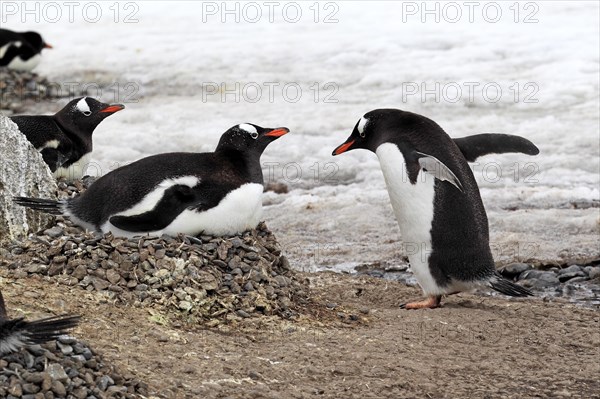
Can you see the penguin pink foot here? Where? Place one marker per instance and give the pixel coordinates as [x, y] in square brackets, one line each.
[431, 302]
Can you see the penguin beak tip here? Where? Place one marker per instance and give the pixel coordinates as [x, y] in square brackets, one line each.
[111, 109]
[278, 132]
[343, 148]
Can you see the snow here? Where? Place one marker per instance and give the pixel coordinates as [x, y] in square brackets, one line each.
[195, 78]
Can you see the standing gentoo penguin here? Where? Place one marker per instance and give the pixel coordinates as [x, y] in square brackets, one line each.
[218, 193]
[65, 138]
[17, 333]
[21, 51]
[436, 200]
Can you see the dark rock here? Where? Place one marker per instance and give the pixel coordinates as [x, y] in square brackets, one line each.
[571, 269]
[594, 272]
[515, 269]
[537, 274]
[568, 276]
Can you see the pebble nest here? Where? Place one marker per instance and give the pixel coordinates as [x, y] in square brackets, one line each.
[66, 368]
[211, 278]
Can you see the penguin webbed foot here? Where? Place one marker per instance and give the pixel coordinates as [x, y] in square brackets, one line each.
[432, 302]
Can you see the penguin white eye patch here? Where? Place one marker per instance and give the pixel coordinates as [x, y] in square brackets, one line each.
[250, 129]
[83, 107]
[361, 126]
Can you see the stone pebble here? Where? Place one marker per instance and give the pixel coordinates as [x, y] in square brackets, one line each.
[65, 368]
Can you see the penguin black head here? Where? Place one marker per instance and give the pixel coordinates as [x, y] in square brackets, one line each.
[35, 41]
[250, 138]
[386, 125]
[82, 115]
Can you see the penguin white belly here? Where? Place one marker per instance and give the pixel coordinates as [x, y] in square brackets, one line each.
[18, 64]
[413, 207]
[238, 211]
[76, 170]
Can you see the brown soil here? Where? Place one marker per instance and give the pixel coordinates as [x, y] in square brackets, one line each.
[480, 347]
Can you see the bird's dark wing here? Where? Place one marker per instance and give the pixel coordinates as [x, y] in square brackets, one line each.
[479, 145]
[54, 158]
[174, 201]
[16, 333]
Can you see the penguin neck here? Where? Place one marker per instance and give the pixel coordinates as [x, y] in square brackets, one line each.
[83, 139]
[246, 162]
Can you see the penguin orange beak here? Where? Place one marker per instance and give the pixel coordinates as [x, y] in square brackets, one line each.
[46, 45]
[343, 148]
[113, 108]
[280, 131]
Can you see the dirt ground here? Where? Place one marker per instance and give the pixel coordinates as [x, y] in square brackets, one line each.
[475, 346]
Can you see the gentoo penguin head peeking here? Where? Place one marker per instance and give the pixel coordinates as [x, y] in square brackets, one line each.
[82, 115]
[384, 126]
[249, 138]
[35, 41]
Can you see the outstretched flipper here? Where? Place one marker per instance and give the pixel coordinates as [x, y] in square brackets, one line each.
[17, 333]
[435, 167]
[175, 199]
[479, 145]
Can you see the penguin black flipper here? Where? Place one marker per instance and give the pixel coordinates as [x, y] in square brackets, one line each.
[174, 201]
[435, 167]
[53, 158]
[479, 145]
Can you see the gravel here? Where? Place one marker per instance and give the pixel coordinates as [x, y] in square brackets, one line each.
[61, 369]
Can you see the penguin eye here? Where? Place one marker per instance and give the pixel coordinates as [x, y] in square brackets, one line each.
[87, 113]
[362, 134]
[254, 135]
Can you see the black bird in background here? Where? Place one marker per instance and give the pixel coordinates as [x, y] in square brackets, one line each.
[21, 50]
[65, 138]
[17, 333]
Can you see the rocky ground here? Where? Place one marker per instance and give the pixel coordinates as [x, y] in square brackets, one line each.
[360, 345]
[227, 317]
[22, 91]
[578, 284]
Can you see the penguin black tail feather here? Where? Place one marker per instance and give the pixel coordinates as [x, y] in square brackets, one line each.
[17, 333]
[43, 205]
[50, 328]
[507, 287]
